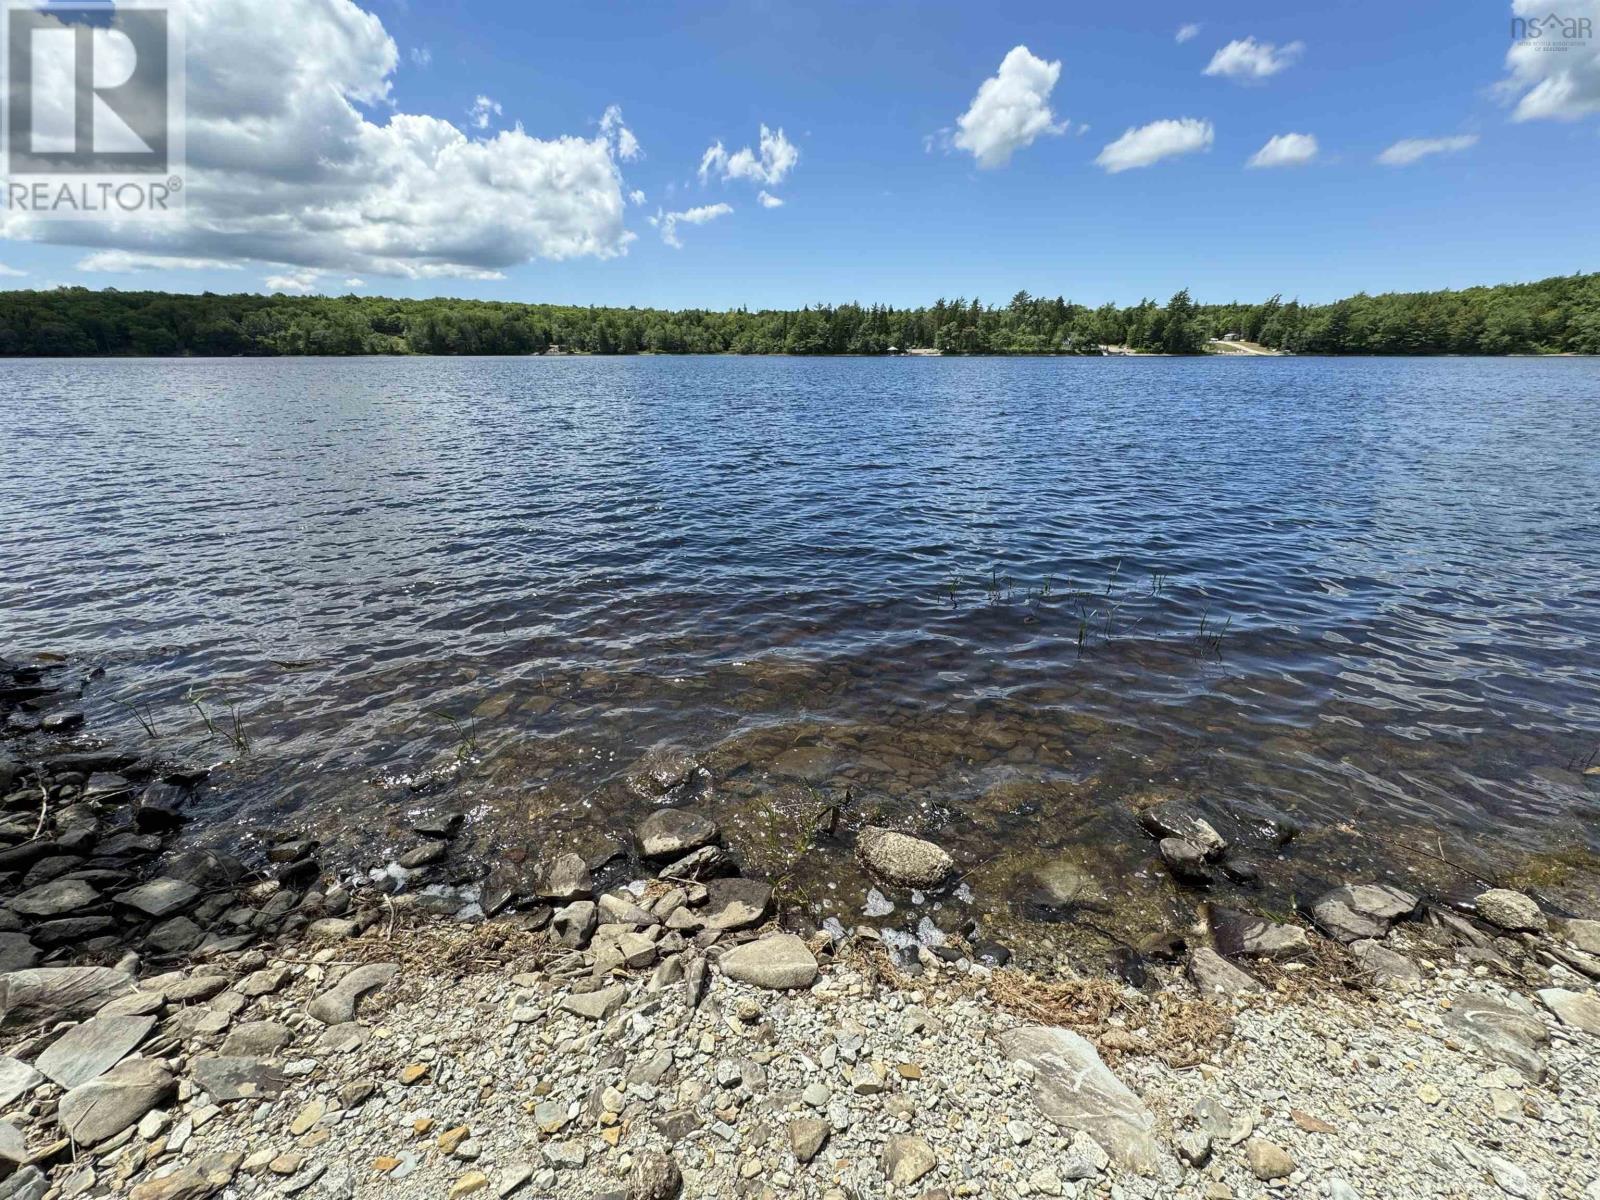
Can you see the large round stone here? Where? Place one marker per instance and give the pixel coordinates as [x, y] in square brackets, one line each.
[779, 960]
[668, 832]
[902, 859]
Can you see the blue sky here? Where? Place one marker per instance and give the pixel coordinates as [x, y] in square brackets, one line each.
[882, 201]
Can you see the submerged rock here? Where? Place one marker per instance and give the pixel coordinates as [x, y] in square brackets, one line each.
[1175, 819]
[735, 904]
[902, 859]
[1244, 935]
[1184, 859]
[670, 832]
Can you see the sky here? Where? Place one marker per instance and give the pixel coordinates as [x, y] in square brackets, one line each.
[732, 153]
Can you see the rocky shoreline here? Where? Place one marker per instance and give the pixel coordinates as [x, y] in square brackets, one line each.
[645, 1023]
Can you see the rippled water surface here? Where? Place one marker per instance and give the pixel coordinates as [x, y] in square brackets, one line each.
[1001, 600]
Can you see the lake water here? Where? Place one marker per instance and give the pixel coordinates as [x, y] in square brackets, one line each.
[996, 600]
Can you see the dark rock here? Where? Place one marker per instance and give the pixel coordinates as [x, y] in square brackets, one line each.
[442, 825]
[506, 884]
[61, 722]
[677, 1125]
[106, 785]
[1215, 975]
[55, 899]
[575, 924]
[1241, 871]
[230, 1078]
[128, 845]
[1244, 935]
[708, 862]
[565, 878]
[173, 936]
[291, 850]
[421, 856]
[89, 761]
[735, 904]
[17, 953]
[47, 869]
[73, 931]
[89, 1050]
[160, 808]
[48, 994]
[1184, 859]
[160, 897]
[990, 952]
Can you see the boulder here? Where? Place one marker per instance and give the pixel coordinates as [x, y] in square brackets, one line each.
[673, 832]
[1244, 935]
[735, 904]
[565, 878]
[1077, 1091]
[89, 1050]
[226, 1078]
[1507, 909]
[1175, 819]
[1363, 910]
[102, 1108]
[58, 993]
[901, 859]
[1585, 935]
[575, 924]
[779, 960]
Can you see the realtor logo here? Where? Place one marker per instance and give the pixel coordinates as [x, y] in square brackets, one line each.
[93, 123]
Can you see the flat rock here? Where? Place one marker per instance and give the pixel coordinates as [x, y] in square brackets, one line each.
[227, 1078]
[58, 898]
[673, 832]
[597, 1005]
[735, 904]
[17, 1078]
[1076, 1090]
[1501, 1033]
[58, 993]
[1510, 910]
[1064, 881]
[902, 859]
[1581, 1010]
[1184, 859]
[1215, 975]
[256, 1039]
[160, 897]
[1245, 935]
[1383, 966]
[1363, 910]
[779, 960]
[1175, 819]
[338, 1004]
[89, 1050]
[102, 1108]
[1585, 935]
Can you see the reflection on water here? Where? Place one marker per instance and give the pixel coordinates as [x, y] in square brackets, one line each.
[995, 599]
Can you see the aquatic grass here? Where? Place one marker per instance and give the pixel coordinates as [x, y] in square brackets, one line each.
[466, 734]
[146, 719]
[232, 731]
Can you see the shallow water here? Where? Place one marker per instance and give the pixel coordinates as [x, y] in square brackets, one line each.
[999, 600]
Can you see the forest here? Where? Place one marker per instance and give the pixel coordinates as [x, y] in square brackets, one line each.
[1558, 315]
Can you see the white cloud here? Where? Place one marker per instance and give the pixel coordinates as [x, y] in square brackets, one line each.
[355, 283]
[120, 262]
[1408, 150]
[636, 197]
[1553, 84]
[1151, 143]
[1187, 33]
[1253, 61]
[1286, 150]
[299, 158]
[619, 135]
[8, 272]
[1011, 109]
[295, 283]
[771, 163]
[421, 56]
[768, 200]
[483, 111]
[668, 222]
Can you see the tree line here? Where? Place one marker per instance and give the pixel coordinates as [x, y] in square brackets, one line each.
[1557, 315]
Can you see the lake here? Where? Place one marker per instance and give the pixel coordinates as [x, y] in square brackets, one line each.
[998, 601]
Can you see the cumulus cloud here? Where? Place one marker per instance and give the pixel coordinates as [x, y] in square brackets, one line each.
[483, 111]
[1408, 150]
[1551, 84]
[287, 168]
[768, 200]
[294, 283]
[120, 262]
[1251, 61]
[1151, 143]
[636, 197]
[1011, 109]
[9, 272]
[668, 222]
[1187, 33]
[619, 135]
[770, 163]
[1286, 150]
[355, 283]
